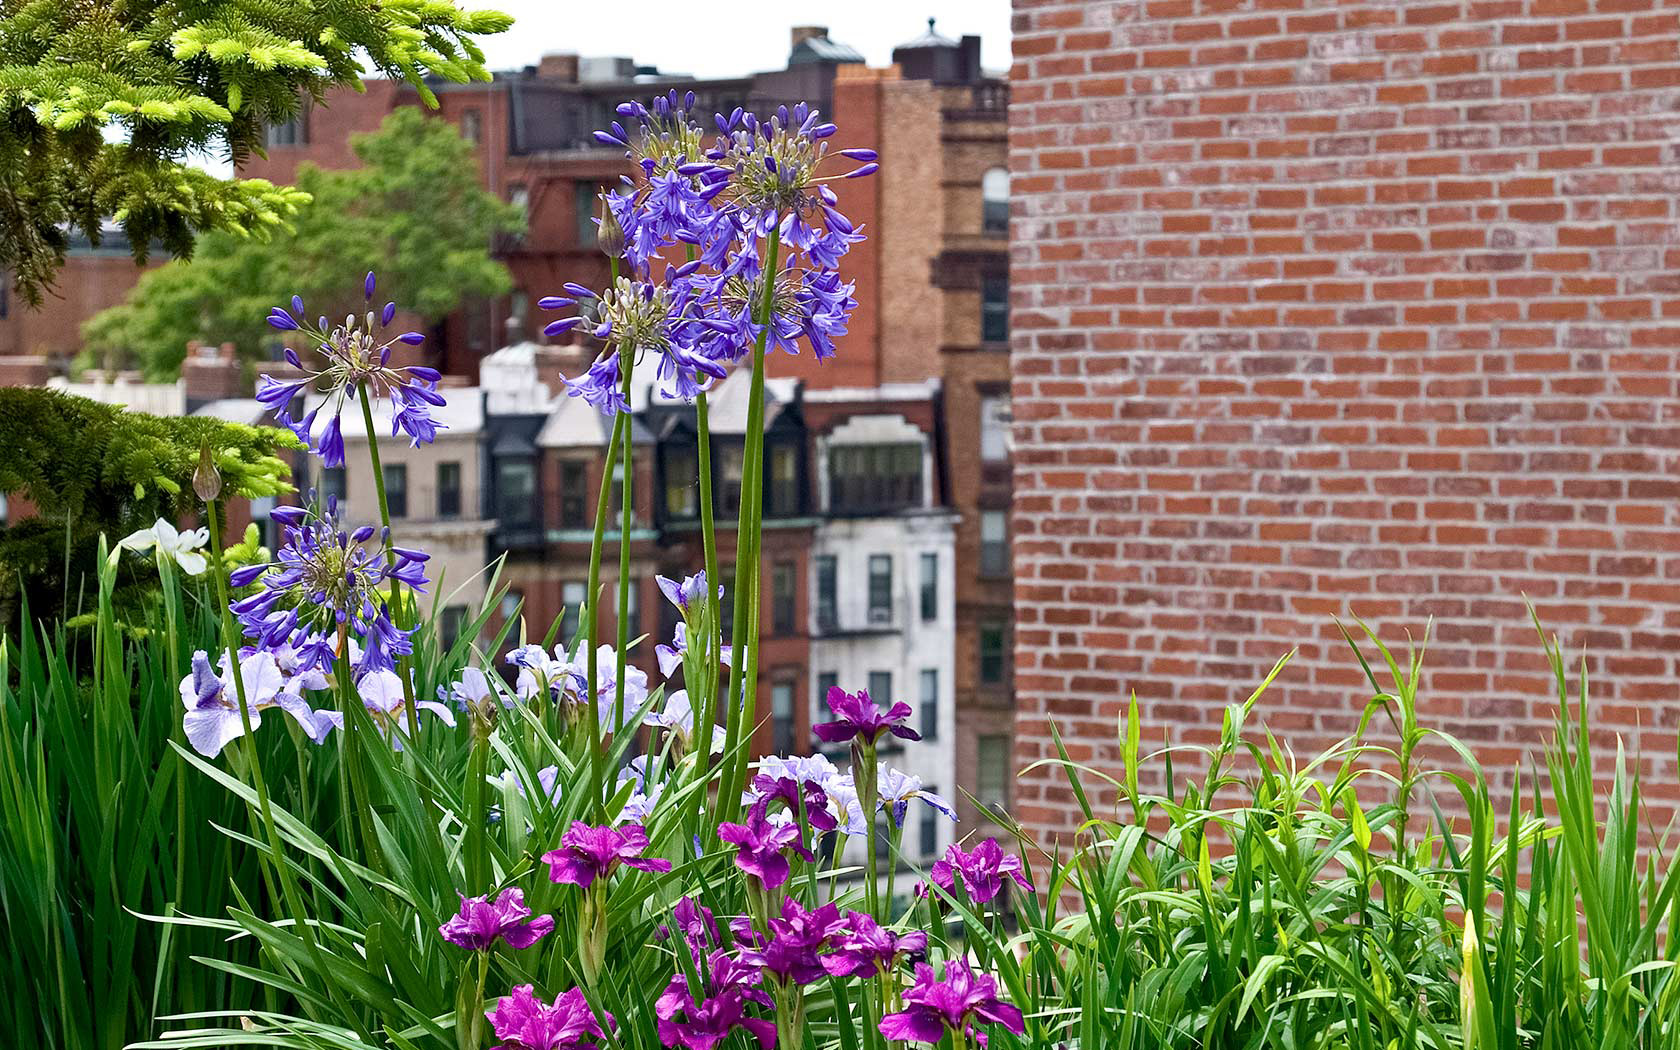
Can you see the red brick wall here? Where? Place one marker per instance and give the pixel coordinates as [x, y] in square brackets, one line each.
[1332, 309]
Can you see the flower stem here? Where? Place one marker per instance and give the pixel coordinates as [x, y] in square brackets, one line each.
[598, 751]
[390, 559]
[288, 884]
[863, 773]
[626, 363]
[744, 637]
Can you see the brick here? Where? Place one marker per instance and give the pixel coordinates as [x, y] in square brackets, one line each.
[1385, 321]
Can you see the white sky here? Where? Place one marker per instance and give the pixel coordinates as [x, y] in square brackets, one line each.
[734, 36]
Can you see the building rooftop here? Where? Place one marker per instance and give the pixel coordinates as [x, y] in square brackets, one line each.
[931, 38]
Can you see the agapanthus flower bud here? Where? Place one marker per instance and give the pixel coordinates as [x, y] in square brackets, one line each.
[610, 236]
[207, 480]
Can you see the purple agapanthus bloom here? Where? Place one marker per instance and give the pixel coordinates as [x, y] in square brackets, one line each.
[729, 987]
[524, 1022]
[588, 853]
[958, 1004]
[896, 789]
[981, 871]
[637, 317]
[858, 717]
[761, 847]
[212, 720]
[481, 922]
[323, 579]
[865, 948]
[791, 953]
[357, 357]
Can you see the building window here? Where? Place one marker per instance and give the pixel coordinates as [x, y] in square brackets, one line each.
[729, 467]
[994, 429]
[616, 496]
[994, 308]
[928, 832]
[519, 306]
[994, 201]
[783, 498]
[828, 606]
[826, 680]
[5, 296]
[994, 543]
[930, 586]
[510, 604]
[992, 651]
[682, 483]
[574, 494]
[880, 687]
[880, 589]
[783, 597]
[930, 703]
[335, 485]
[293, 132]
[781, 718]
[449, 490]
[396, 489]
[588, 206]
[864, 478]
[472, 126]
[519, 195]
[992, 783]
[516, 491]
[449, 624]
[571, 610]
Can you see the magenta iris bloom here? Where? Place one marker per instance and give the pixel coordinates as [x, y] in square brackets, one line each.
[588, 853]
[858, 717]
[792, 953]
[730, 986]
[524, 1022]
[696, 925]
[482, 922]
[955, 1004]
[865, 948]
[982, 871]
[761, 846]
[789, 791]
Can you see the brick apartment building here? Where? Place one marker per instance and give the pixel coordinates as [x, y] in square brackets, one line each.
[1335, 309]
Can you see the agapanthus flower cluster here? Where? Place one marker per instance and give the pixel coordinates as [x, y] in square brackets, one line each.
[325, 580]
[356, 357]
[720, 200]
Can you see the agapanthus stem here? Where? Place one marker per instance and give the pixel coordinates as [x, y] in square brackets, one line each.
[705, 705]
[390, 561]
[626, 362]
[744, 637]
[276, 860]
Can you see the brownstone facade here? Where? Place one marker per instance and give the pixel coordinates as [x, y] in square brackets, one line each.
[1326, 310]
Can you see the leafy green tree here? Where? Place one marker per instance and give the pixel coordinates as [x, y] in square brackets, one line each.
[415, 212]
[101, 102]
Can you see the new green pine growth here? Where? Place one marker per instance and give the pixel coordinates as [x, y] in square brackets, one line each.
[101, 103]
[415, 213]
[90, 469]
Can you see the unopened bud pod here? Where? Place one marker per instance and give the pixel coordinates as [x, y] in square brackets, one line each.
[207, 480]
[610, 237]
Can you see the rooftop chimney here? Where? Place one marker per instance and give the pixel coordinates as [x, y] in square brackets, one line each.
[803, 33]
[558, 66]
